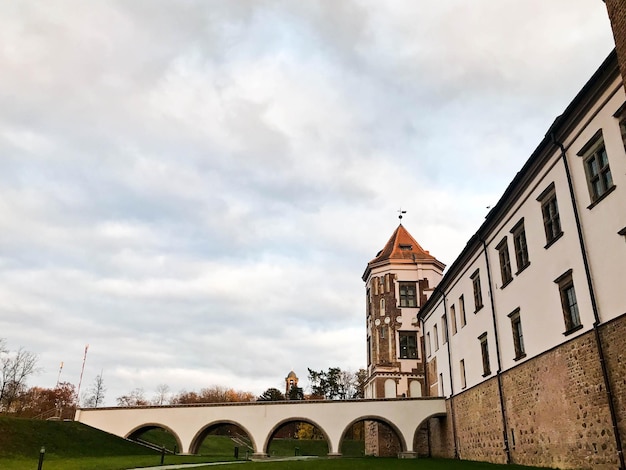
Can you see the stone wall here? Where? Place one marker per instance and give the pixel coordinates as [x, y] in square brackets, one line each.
[613, 337]
[478, 422]
[441, 441]
[381, 440]
[556, 407]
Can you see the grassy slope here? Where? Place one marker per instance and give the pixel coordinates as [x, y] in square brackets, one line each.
[24, 437]
[74, 446]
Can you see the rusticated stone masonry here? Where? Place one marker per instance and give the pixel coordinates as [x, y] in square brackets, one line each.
[479, 423]
[557, 409]
[613, 337]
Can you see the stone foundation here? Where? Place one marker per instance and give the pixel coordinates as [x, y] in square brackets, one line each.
[556, 409]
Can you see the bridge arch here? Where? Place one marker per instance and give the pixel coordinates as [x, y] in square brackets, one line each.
[296, 419]
[422, 425]
[142, 428]
[197, 439]
[378, 419]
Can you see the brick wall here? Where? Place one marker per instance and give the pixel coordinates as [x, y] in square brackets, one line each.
[617, 15]
[432, 378]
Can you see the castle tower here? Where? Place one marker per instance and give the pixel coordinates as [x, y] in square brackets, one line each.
[617, 16]
[397, 282]
[290, 381]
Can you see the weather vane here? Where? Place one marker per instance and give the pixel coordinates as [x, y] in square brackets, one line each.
[401, 212]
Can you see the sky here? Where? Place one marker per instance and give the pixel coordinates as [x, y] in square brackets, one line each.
[195, 187]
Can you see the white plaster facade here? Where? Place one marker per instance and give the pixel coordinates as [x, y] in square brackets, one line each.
[533, 293]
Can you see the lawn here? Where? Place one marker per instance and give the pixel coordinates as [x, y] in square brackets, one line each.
[373, 463]
[74, 446]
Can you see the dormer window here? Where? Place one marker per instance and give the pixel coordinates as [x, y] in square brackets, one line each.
[406, 247]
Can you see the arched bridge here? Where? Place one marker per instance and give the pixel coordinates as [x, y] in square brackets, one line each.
[260, 420]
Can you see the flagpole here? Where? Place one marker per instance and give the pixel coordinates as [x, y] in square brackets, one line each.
[59, 376]
[80, 381]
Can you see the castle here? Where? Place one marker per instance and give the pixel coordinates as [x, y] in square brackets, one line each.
[525, 333]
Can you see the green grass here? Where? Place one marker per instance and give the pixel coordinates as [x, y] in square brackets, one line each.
[373, 463]
[24, 437]
[315, 447]
[214, 446]
[74, 446]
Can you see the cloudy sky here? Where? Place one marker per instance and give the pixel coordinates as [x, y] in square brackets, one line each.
[194, 188]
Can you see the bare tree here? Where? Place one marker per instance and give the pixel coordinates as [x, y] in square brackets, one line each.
[162, 395]
[135, 398]
[95, 393]
[15, 369]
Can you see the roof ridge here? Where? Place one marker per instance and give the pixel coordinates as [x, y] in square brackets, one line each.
[402, 245]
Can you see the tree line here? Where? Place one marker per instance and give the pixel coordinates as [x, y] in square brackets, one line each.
[16, 398]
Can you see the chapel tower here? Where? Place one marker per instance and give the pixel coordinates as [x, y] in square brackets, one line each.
[397, 281]
[290, 381]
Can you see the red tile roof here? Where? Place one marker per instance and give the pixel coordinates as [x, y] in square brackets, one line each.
[402, 245]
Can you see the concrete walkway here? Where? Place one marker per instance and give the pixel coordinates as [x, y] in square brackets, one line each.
[188, 465]
[210, 464]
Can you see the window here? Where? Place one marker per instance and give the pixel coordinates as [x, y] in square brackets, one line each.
[599, 179]
[408, 345]
[428, 344]
[440, 385]
[453, 319]
[436, 337]
[520, 245]
[518, 336]
[550, 212]
[568, 302]
[484, 350]
[505, 262]
[444, 329]
[408, 294]
[369, 350]
[462, 311]
[478, 296]
[368, 303]
[462, 369]
[622, 128]
[382, 307]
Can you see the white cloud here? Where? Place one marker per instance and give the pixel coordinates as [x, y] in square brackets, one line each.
[195, 189]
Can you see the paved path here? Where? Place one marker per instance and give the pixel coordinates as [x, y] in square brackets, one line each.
[187, 465]
[210, 464]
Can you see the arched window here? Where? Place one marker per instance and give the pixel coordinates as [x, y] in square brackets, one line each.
[390, 388]
[415, 389]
